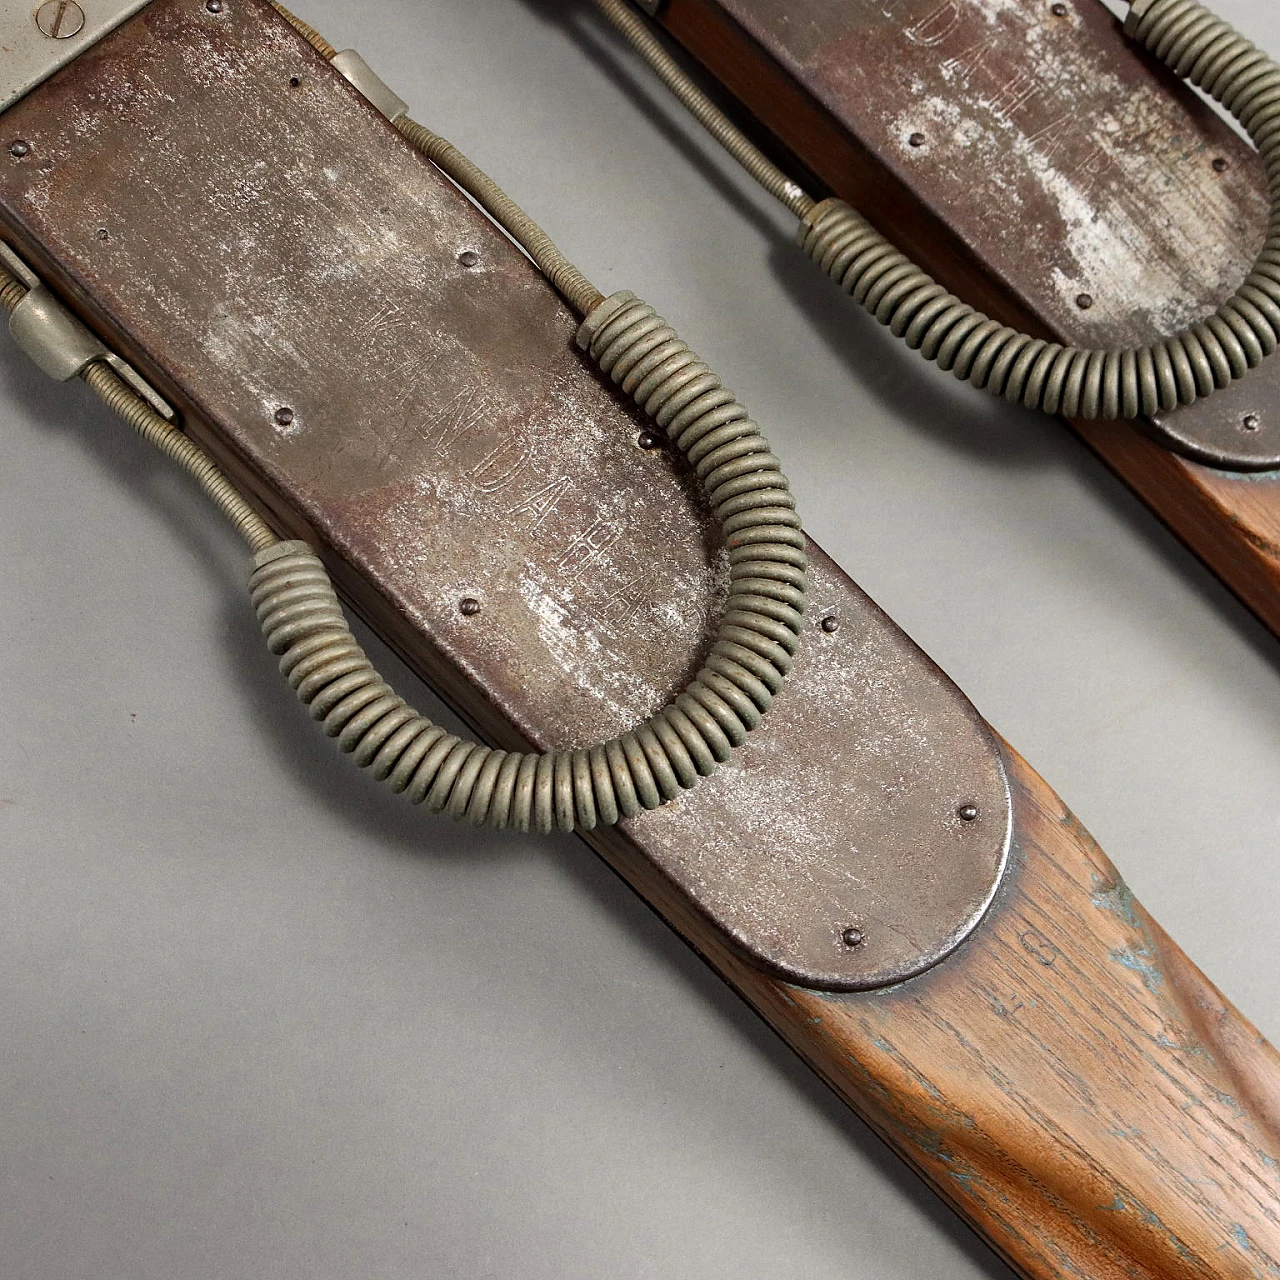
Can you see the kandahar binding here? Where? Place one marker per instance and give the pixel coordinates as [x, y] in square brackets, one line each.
[398, 451]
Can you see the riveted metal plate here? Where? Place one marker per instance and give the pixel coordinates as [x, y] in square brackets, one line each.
[447, 442]
[1235, 429]
[34, 39]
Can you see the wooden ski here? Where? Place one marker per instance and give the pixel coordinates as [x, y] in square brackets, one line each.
[1064, 1076]
[1037, 163]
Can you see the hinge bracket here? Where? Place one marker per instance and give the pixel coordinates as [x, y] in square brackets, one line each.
[59, 344]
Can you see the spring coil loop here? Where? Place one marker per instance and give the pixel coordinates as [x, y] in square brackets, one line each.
[597, 786]
[1077, 382]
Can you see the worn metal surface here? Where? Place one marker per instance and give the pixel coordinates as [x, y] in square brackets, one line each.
[276, 245]
[36, 39]
[1111, 209]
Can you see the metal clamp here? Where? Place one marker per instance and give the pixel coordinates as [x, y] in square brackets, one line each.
[352, 67]
[36, 39]
[58, 343]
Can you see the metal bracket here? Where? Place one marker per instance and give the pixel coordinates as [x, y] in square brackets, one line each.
[59, 344]
[352, 67]
[36, 39]
[1136, 9]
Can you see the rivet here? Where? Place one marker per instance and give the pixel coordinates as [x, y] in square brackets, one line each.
[1058, 10]
[19, 149]
[103, 234]
[917, 140]
[284, 416]
[469, 258]
[214, 6]
[60, 19]
[1084, 301]
[647, 440]
[1251, 422]
[469, 606]
[294, 81]
[853, 937]
[830, 624]
[967, 813]
[1221, 164]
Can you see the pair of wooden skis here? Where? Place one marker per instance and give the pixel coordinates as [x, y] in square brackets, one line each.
[898, 894]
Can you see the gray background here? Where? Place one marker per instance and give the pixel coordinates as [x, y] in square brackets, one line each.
[259, 1020]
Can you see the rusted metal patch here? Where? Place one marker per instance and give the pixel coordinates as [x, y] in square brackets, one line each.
[1113, 209]
[391, 376]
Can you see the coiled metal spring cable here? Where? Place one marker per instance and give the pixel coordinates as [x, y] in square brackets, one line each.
[750, 656]
[1078, 382]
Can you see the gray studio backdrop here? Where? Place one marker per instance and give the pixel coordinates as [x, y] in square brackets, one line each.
[259, 1020]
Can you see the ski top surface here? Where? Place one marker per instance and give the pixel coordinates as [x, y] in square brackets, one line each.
[1041, 166]
[1067, 1079]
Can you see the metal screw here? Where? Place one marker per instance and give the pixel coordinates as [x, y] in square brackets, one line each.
[1221, 164]
[1058, 10]
[1251, 422]
[830, 624]
[917, 140]
[469, 606]
[1084, 301]
[214, 6]
[469, 258]
[967, 813]
[19, 149]
[60, 19]
[647, 440]
[853, 937]
[284, 416]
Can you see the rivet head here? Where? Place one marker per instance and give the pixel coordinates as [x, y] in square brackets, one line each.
[1221, 164]
[469, 258]
[853, 936]
[830, 624]
[1251, 422]
[19, 149]
[1058, 10]
[967, 813]
[214, 6]
[647, 440]
[917, 140]
[284, 416]
[469, 606]
[1084, 301]
[103, 234]
[60, 19]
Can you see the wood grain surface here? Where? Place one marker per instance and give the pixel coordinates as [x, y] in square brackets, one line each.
[1066, 1079]
[1053, 161]
[1069, 1081]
